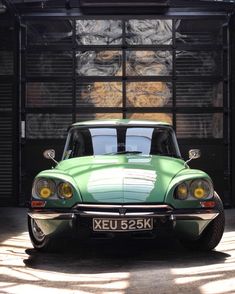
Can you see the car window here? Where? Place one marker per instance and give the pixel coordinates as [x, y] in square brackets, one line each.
[121, 139]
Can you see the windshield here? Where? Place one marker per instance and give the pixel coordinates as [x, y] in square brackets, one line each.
[85, 141]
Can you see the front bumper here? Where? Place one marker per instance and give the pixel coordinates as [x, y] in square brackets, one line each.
[190, 222]
[155, 211]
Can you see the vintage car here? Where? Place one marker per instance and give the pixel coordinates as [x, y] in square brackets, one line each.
[124, 178]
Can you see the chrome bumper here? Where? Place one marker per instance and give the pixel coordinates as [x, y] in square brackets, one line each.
[126, 211]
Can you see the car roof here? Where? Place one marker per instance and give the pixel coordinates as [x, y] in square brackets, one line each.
[116, 122]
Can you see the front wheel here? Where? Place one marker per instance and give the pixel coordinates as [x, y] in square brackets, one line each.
[39, 240]
[212, 234]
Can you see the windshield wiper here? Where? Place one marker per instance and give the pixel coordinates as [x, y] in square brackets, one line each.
[123, 152]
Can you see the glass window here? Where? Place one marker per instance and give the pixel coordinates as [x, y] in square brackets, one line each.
[99, 94]
[149, 94]
[198, 63]
[54, 63]
[195, 31]
[45, 125]
[201, 125]
[49, 32]
[6, 63]
[199, 94]
[99, 63]
[149, 32]
[149, 63]
[102, 115]
[85, 141]
[163, 117]
[46, 94]
[99, 32]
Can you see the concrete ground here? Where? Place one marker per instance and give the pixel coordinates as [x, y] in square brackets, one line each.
[111, 267]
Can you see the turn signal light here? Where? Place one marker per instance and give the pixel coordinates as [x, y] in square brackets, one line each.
[37, 204]
[208, 204]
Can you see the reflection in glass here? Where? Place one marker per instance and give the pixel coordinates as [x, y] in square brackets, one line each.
[40, 126]
[199, 94]
[163, 117]
[46, 94]
[149, 94]
[201, 125]
[50, 63]
[149, 63]
[99, 94]
[49, 32]
[194, 31]
[90, 116]
[197, 63]
[149, 32]
[101, 63]
[99, 32]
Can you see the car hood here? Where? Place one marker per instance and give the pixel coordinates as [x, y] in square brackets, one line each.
[122, 178]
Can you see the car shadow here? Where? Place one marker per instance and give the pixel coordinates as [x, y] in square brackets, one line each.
[99, 256]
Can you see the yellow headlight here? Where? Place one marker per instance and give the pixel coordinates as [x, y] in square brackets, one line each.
[199, 193]
[65, 190]
[182, 191]
[200, 189]
[44, 188]
[45, 192]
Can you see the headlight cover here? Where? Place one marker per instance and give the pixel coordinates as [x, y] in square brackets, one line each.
[195, 189]
[65, 190]
[44, 188]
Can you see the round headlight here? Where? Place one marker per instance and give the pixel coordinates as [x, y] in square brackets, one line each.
[65, 190]
[200, 189]
[182, 191]
[45, 188]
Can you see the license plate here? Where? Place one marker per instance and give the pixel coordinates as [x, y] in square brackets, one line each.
[122, 224]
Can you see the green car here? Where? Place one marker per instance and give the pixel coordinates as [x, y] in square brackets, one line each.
[124, 177]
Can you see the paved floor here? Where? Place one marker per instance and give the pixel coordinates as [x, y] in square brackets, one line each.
[115, 268]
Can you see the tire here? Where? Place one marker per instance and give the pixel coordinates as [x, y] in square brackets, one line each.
[40, 241]
[212, 234]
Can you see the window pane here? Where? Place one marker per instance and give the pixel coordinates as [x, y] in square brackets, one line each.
[40, 126]
[199, 94]
[49, 64]
[7, 35]
[90, 116]
[149, 63]
[48, 94]
[49, 32]
[203, 125]
[149, 32]
[163, 117]
[196, 63]
[199, 32]
[101, 63]
[99, 94]
[149, 94]
[99, 32]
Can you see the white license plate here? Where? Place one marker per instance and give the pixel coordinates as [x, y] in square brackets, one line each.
[122, 224]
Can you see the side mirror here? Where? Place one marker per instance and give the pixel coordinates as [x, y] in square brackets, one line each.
[194, 154]
[50, 154]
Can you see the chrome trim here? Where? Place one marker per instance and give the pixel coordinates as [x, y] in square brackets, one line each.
[207, 215]
[196, 216]
[160, 206]
[52, 215]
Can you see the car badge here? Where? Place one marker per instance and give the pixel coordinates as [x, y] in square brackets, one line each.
[122, 211]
